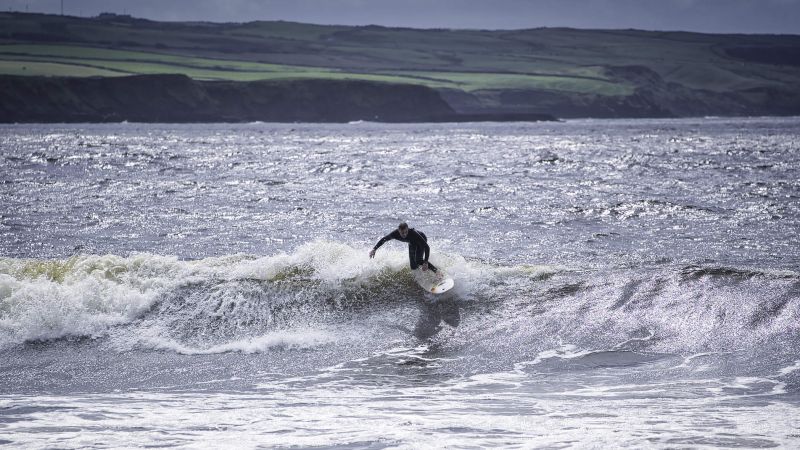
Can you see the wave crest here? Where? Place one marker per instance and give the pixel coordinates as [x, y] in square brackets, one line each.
[219, 299]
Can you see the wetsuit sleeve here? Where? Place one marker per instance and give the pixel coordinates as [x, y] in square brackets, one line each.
[418, 240]
[393, 235]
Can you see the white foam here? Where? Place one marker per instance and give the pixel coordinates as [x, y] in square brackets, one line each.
[81, 296]
[323, 261]
[567, 351]
[647, 338]
[86, 295]
[689, 360]
[286, 339]
[793, 368]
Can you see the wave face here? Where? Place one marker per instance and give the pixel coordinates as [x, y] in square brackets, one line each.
[203, 300]
[327, 296]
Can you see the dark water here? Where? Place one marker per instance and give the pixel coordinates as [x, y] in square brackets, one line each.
[618, 283]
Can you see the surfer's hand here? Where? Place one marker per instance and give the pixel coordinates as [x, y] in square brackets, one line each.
[372, 253]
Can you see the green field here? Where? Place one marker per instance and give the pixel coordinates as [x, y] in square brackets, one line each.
[72, 60]
[568, 62]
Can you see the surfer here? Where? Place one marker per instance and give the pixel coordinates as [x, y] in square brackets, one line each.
[418, 249]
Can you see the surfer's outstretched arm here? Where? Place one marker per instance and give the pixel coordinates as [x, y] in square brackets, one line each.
[393, 235]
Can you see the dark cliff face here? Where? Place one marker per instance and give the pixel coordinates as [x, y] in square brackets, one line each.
[652, 97]
[177, 98]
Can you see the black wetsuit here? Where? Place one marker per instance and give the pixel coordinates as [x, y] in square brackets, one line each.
[418, 249]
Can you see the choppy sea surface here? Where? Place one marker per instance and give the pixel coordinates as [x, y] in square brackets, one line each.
[619, 283]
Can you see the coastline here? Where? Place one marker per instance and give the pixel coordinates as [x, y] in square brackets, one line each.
[180, 99]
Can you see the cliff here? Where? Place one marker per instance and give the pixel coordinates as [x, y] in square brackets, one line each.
[652, 96]
[488, 74]
[177, 98]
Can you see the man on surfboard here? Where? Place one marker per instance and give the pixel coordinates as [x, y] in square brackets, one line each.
[418, 249]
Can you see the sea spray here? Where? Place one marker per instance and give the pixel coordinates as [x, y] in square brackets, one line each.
[206, 302]
[80, 296]
[214, 302]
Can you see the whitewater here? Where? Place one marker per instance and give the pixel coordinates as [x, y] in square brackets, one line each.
[619, 283]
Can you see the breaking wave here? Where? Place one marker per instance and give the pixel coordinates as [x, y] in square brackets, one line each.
[324, 293]
[209, 302]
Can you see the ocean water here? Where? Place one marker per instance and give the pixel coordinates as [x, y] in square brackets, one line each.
[619, 283]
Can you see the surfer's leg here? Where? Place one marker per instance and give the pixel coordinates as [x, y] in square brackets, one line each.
[417, 256]
[412, 256]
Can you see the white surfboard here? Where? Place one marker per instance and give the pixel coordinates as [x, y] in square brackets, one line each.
[433, 282]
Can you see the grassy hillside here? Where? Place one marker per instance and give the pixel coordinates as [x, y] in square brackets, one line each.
[598, 70]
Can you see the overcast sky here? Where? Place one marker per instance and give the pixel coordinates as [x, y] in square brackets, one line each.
[714, 16]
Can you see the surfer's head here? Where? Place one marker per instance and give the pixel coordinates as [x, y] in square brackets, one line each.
[403, 229]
